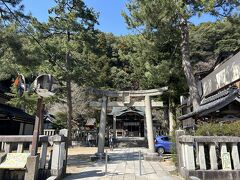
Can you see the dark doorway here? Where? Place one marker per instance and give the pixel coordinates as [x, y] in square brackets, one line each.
[132, 124]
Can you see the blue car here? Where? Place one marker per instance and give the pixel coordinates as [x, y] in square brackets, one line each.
[163, 144]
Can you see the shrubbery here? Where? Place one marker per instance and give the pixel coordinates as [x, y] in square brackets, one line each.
[218, 129]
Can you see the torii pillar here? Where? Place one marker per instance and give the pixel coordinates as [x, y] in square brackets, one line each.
[102, 127]
[148, 112]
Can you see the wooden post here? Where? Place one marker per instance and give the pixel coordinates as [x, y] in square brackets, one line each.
[36, 127]
[41, 124]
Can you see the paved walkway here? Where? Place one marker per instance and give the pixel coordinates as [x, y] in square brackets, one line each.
[124, 165]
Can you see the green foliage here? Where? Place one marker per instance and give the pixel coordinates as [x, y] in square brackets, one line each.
[19, 54]
[61, 120]
[149, 59]
[69, 30]
[162, 15]
[152, 62]
[209, 40]
[28, 102]
[16, 8]
[218, 129]
[168, 19]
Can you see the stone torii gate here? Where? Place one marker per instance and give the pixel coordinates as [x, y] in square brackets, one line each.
[126, 101]
[112, 104]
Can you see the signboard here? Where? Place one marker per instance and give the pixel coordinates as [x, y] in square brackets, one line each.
[222, 76]
[15, 161]
[226, 161]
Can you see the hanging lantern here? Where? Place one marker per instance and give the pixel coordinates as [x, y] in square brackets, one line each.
[45, 85]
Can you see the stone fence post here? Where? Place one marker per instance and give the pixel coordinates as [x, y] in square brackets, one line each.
[58, 155]
[64, 132]
[180, 160]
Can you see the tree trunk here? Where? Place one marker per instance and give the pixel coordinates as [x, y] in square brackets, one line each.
[69, 96]
[194, 94]
[171, 115]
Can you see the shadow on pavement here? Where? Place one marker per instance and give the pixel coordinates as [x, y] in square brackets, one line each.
[85, 174]
[128, 156]
[79, 160]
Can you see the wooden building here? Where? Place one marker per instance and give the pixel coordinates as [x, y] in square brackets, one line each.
[220, 95]
[13, 121]
[130, 122]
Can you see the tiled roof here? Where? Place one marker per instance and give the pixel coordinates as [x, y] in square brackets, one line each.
[8, 112]
[118, 111]
[214, 103]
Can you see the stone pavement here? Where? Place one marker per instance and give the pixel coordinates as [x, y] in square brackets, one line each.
[124, 165]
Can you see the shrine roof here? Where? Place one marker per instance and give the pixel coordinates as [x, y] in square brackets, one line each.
[8, 112]
[214, 103]
[118, 111]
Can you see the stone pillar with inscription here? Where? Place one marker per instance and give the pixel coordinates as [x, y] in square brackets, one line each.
[102, 126]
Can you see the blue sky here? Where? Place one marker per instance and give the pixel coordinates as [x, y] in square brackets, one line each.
[110, 19]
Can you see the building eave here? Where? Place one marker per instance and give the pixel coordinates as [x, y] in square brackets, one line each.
[16, 114]
[215, 104]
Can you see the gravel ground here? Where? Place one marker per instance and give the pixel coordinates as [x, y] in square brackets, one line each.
[79, 158]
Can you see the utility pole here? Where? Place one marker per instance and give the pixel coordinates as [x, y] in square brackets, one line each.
[38, 120]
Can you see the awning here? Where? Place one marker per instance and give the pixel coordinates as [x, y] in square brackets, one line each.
[9, 112]
[214, 103]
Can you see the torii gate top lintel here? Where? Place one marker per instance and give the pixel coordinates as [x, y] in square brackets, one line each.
[139, 93]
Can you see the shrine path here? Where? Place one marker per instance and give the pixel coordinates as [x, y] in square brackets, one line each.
[123, 165]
